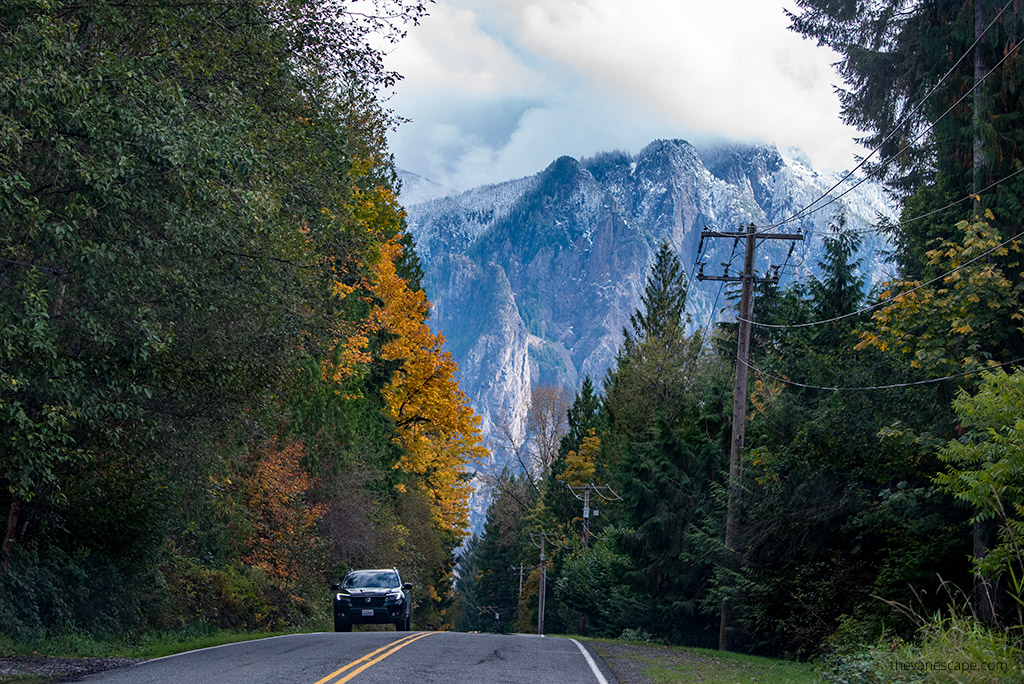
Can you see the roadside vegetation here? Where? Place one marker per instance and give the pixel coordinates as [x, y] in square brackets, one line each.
[218, 391]
[663, 664]
[879, 523]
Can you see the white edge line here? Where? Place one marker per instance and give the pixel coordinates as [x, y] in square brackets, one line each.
[233, 643]
[590, 661]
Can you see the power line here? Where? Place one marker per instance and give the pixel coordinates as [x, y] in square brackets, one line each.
[721, 286]
[807, 209]
[880, 387]
[888, 301]
[901, 223]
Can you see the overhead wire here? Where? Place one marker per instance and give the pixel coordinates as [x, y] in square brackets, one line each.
[927, 129]
[810, 208]
[868, 388]
[889, 300]
[903, 222]
[721, 286]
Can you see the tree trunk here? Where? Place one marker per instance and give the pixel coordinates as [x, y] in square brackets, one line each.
[12, 525]
[981, 68]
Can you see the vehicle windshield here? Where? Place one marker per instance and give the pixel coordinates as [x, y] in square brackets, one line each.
[371, 579]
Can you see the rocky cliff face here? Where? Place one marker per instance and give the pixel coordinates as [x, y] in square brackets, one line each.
[533, 280]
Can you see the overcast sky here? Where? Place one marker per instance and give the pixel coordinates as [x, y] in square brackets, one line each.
[497, 89]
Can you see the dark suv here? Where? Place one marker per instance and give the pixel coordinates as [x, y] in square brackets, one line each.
[372, 597]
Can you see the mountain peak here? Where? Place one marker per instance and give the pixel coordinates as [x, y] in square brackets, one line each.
[571, 247]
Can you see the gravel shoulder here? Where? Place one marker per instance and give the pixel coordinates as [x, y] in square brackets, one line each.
[49, 669]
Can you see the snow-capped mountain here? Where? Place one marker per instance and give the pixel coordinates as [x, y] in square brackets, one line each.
[533, 280]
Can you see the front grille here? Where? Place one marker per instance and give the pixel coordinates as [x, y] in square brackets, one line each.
[367, 601]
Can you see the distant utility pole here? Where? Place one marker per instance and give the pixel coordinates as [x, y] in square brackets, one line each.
[520, 568]
[543, 575]
[604, 492]
[739, 394]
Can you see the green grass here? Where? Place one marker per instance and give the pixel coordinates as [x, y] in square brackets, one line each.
[670, 664]
[145, 646]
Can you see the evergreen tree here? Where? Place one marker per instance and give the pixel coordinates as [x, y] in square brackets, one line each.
[658, 362]
[893, 55]
[840, 289]
[666, 486]
[663, 302]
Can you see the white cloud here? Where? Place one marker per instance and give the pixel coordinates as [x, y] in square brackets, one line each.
[499, 88]
[450, 51]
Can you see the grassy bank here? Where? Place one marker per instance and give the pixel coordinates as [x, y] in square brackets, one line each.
[638, 662]
[144, 646]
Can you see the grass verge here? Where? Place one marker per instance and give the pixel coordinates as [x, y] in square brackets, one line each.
[146, 646]
[638, 662]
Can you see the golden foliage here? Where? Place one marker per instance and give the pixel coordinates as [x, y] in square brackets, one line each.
[579, 465]
[765, 392]
[956, 323]
[438, 429]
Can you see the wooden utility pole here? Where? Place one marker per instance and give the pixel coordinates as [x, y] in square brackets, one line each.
[603, 491]
[739, 395]
[543, 577]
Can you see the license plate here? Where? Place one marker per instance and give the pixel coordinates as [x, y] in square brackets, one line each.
[367, 612]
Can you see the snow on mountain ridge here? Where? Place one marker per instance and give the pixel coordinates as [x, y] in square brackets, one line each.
[571, 248]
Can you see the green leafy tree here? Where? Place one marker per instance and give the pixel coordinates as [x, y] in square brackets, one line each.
[983, 468]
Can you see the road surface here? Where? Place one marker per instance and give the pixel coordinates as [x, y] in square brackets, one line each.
[375, 658]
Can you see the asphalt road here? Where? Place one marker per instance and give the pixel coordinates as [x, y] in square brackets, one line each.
[375, 658]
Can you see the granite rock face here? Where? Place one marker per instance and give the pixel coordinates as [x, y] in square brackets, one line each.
[533, 280]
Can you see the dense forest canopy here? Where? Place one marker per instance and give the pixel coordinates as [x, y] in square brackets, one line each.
[211, 321]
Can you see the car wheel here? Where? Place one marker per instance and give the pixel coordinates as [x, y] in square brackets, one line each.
[342, 625]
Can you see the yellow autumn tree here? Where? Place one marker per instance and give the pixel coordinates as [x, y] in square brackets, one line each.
[366, 220]
[962, 321]
[436, 426]
[579, 465]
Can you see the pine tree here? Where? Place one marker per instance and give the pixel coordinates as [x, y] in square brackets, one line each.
[657, 363]
[893, 54]
[663, 302]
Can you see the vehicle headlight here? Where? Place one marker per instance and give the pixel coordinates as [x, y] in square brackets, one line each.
[395, 596]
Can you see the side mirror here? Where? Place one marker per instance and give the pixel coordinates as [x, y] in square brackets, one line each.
[407, 586]
[335, 587]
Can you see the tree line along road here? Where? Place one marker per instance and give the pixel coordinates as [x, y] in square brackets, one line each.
[375, 658]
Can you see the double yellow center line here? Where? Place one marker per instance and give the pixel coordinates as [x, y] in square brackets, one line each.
[372, 658]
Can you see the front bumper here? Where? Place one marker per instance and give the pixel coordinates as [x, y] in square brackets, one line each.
[355, 613]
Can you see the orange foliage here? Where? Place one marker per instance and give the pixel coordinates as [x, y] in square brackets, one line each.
[372, 215]
[439, 431]
[283, 538]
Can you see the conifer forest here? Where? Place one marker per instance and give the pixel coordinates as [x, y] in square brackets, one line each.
[219, 388]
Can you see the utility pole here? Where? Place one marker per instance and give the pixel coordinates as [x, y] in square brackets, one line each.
[543, 576]
[604, 492]
[520, 568]
[739, 393]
